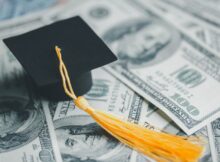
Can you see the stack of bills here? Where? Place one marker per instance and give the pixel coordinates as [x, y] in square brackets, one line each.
[167, 78]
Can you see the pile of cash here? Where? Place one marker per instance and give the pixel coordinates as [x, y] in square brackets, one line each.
[166, 78]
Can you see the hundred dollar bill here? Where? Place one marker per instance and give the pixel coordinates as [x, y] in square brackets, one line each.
[11, 9]
[33, 20]
[19, 28]
[26, 128]
[207, 11]
[26, 133]
[159, 61]
[13, 12]
[197, 28]
[80, 138]
[214, 133]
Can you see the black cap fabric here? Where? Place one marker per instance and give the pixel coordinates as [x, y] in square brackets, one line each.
[82, 50]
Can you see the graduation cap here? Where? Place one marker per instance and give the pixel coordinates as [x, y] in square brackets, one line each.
[82, 51]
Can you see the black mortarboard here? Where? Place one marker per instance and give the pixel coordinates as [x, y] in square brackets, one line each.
[82, 51]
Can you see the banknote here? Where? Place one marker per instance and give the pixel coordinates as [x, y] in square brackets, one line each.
[159, 61]
[11, 9]
[20, 28]
[209, 35]
[25, 132]
[203, 31]
[214, 133]
[18, 12]
[81, 139]
[26, 129]
[207, 11]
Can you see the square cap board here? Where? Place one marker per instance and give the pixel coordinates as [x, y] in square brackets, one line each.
[82, 51]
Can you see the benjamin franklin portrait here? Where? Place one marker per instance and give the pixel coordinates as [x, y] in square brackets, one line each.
[80, 139]
[142, 42]
[20, 122]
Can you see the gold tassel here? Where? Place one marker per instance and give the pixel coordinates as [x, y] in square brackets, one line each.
[160, 146]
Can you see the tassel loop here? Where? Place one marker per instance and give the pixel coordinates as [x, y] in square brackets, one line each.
[64, 73]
